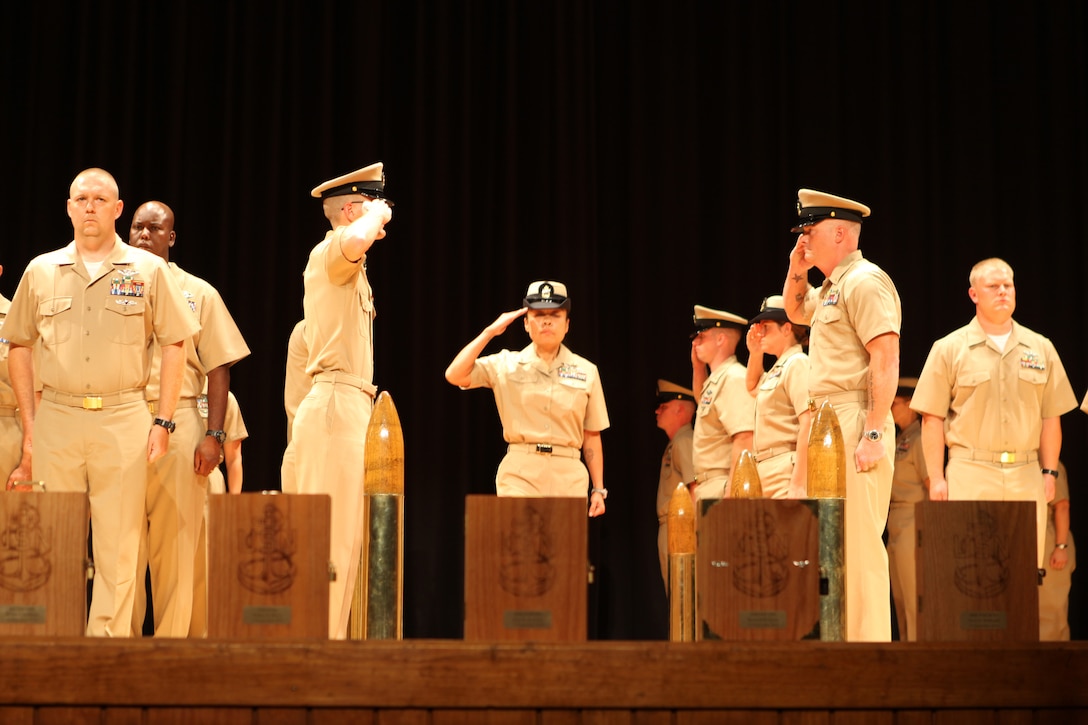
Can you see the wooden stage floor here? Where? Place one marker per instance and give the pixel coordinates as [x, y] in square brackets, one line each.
[446, 681]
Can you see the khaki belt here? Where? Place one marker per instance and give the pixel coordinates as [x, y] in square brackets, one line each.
[771, 453]
[1002, 457]
[704, 476]
[93, 402]
[845, 396]
[9, 413]
[339, 378]
[547, 449]
[153, 405]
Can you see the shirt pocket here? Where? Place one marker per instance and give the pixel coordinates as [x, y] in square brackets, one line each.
[56, 320]
[829, 314]
[123, 322]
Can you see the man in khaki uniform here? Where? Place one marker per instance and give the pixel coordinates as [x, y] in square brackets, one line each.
[1060, 564]
[550, 402]
[993, 391]
[235, 429]
[296, 383]
[11, 433]
[675, 410]
[726, 414]
[177, 483]
[329, 431]
[854, 318]
[98, 307]
[909, 484]
[780, 439]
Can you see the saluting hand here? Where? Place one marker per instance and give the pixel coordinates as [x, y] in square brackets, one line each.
[503, 321]
[754, 340]
[800, 260]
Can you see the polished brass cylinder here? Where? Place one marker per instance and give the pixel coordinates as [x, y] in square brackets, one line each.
[384, 591]
[745, 481]
[832, 569]
[682, 597]
[681, 545]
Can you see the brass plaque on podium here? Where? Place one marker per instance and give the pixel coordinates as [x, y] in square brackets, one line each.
[268, 566]
[757, 570]
[43, 563]
[977, 572]
[526, 568]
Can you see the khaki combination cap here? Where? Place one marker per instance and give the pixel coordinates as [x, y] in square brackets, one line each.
[546, 295]
[815, 206]
[667, 391]
[773, 308]
[367, 181]
[706, 318]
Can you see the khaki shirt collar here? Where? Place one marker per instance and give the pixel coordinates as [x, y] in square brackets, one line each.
[977, 336]
[844, 266]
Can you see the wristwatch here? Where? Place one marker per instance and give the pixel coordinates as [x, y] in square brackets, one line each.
[1062, 546]
[169, 425]
[874, 435]
[602, 491]
[219, 435]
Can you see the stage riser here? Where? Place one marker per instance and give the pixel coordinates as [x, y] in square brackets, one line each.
[369, 716]
[446, 682]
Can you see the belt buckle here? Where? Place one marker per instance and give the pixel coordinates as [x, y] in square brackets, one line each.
[1007, 457]
[543, 447]
[92, 402]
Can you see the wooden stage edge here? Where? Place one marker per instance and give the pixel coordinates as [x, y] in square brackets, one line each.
[625, 675]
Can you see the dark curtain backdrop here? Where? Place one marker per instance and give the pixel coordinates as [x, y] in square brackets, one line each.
[646, 154]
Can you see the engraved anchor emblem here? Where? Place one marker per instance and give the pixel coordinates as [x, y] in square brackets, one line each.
[24, 549]
[526, 568]
[270, 568]
[982, 559]
[763, 570]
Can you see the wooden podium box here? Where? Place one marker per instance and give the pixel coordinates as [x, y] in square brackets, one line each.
[526, 569]
[757, 573]
[268, 566]
[977, 572]
[43, 563]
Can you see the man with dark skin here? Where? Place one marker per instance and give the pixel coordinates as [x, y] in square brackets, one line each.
[177, 484]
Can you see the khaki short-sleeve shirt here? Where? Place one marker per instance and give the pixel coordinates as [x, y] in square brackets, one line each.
[781, 398]
[855, 305]
[676, 468]
[540, 402]
[993, 400]
[7, 395]
[218, 342]
[296, 383]
[726, 408]
[96, 334]
[338, 306]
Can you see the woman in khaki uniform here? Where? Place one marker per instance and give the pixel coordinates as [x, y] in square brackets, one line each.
[549, 399]
[780, 438]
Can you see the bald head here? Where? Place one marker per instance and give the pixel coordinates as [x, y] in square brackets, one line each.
[94, 207]
[153, 228]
